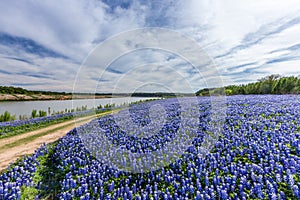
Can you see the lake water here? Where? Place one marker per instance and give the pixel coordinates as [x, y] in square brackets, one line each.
[25, 107]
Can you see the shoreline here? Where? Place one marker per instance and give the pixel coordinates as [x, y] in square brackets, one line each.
[42, 97]
[22, 97]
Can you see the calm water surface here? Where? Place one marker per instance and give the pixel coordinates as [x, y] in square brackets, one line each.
[25, 107]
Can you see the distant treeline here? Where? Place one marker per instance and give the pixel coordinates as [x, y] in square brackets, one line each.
[273, 84]
[18, 90]
[157, 94]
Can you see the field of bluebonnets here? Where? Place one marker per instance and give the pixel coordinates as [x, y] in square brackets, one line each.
[257, 156]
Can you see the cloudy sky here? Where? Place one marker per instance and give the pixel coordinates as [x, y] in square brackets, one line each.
[44, 44]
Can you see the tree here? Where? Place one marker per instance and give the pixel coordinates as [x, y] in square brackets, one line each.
[272, 84]
[228, 92]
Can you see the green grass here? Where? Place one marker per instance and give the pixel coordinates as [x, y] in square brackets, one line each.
[48, 175]
[33, 137]
[27, 128]
[30, 138]
[12, 131]
[45, 178]
[28, 193]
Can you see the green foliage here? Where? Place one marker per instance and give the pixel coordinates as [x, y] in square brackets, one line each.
[228, 92]
[28, 193]
[110, 105]
[18, 90]
[15, 130]
[273, 84]
[34, 114]
[6, 117]
[156, 94]
[45, 178]
[42, 113]
[203, 92]
[12, 90]
[48, 174]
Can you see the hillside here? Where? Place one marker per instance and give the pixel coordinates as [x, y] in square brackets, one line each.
[273, 84]
[9, 93]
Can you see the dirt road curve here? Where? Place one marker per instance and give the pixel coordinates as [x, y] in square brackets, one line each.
[14, 147]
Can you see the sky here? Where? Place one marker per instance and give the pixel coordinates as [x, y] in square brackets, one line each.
[44, 45]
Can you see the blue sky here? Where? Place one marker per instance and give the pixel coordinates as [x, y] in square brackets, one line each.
[44, 43]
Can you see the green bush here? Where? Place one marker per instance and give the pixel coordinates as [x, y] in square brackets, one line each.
[42, 113]
[34, 114]
[6, 117]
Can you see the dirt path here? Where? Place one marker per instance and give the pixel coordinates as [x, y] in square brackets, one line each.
[17, 146]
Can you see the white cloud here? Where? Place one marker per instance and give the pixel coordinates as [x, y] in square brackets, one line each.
[249, 35]
[69, 27]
